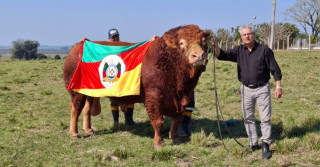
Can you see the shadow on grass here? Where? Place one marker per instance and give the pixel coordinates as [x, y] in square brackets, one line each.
[145, 129]
[309, 125]
[237, 130]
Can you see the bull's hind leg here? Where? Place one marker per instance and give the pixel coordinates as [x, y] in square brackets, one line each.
[173, 134]
[76, 105]
[87, 116]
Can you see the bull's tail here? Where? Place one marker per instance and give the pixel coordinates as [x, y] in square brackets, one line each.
[96, 107]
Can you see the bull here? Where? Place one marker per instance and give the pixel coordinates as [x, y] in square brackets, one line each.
[169, 74]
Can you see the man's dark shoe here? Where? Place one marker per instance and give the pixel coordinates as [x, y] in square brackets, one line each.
[115, 116]
[128, 115]
[184, 128]
[266, 154]
[254, 148]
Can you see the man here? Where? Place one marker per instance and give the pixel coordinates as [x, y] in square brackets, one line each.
[184, 128]
[255, 62]
[113, 35]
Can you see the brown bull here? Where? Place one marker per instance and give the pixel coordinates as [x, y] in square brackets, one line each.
[170, 71]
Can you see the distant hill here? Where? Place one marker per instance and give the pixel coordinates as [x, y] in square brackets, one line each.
[41, 49]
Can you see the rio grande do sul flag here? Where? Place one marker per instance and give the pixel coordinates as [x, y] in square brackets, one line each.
[105, 70]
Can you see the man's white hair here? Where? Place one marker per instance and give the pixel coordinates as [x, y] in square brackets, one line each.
[247, 26]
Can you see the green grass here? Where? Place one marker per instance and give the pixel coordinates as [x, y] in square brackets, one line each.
[34, 116]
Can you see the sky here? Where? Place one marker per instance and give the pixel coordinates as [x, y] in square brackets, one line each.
[65, 22]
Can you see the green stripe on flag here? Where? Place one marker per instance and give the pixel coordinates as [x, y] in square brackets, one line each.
[93, 52]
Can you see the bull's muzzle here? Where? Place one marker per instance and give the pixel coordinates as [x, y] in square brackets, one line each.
[201, 60]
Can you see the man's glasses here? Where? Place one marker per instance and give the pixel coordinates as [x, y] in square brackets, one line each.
[247, 34]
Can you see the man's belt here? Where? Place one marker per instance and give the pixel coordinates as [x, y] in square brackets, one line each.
[253, 86]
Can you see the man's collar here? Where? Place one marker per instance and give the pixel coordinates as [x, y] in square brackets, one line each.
[255, 44]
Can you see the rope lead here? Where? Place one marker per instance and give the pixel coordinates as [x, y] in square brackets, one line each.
[218, 109]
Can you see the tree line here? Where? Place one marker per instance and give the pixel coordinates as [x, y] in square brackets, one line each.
[281, 32]
[304, 12]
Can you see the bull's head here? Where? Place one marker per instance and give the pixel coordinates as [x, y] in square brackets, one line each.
[191, 41]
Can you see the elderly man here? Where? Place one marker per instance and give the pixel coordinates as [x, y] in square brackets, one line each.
[255, 62]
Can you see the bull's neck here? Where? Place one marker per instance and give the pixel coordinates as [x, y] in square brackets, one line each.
[193, 73]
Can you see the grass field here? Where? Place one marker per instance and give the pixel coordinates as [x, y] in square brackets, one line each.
[34, 116]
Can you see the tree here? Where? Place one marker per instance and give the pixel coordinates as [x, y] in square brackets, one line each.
[223, 34]
[25, 49]
[18, 49]
[307, 14]
[264, 31]
[291, 30]
[236, 34]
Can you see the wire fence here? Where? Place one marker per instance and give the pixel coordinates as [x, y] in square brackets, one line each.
[289, 44]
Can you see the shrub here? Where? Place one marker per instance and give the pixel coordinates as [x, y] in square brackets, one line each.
[41, 56]
[57, 57]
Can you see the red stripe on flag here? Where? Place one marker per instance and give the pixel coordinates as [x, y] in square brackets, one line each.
[134, 57]
[91, 79]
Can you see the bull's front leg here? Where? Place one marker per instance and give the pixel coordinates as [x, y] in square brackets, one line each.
[173, 134]
[152, 104]
[157, 125]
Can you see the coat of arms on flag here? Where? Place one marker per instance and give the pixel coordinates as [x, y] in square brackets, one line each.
[110, 70]
[105, 70]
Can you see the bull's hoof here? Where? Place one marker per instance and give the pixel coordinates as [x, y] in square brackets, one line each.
[74, 136]
[176, 140]
[89, 132]
[157, 146]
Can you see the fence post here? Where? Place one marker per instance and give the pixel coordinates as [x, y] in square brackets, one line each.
[288, 41]
[309, 42]
[226, 45]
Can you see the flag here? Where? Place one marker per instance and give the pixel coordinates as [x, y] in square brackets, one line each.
[105, 70]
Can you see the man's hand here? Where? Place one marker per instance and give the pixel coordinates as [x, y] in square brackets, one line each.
[84, 39]
[154, 37]
[278, 90]
[214, 43]
[277, 93]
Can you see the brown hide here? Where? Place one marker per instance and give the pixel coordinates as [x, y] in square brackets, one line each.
[170, 72]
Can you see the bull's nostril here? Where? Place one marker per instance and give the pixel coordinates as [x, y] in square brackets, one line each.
[194, 56]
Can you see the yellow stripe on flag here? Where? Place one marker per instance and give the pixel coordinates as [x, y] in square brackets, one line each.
[128, 84]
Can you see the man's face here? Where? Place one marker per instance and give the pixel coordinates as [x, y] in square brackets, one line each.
[247, 36]
[114, 38]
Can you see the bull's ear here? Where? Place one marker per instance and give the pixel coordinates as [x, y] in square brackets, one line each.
[207, 33]
[170, 38]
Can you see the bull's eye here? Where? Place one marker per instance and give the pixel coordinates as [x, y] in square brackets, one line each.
[182, 43]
